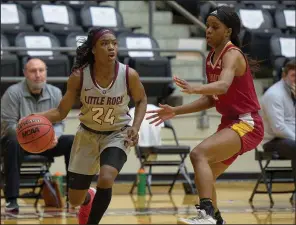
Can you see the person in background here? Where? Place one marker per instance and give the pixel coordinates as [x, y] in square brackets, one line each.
[29, 96]
[278, 107]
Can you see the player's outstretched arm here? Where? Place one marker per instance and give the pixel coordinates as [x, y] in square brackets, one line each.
[167, 112]
[68, 100]
[203, 103]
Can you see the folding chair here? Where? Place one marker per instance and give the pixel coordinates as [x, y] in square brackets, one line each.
[143, 154]
[267, 176]
[147, 64]
[33, 169]
[280, 54]
[9, 64]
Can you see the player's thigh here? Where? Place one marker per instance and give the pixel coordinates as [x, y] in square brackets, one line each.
[218, 147]
[113, 157]
[85, 153]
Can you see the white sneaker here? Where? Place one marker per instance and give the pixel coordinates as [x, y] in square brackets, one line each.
[201, 218]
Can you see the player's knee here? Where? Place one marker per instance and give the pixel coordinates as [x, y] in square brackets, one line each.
[106, 180]
[197, 154]
[76, 199]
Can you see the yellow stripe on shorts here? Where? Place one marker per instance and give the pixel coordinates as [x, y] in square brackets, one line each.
[242, 128]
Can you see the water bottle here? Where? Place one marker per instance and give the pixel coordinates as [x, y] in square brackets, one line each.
[141, 182]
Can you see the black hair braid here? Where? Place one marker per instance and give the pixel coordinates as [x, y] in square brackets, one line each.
[234, 35]
[84, 55]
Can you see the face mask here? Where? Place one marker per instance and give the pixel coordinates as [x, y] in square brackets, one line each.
[35, 86]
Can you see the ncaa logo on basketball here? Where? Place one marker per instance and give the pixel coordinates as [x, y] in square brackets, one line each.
[30, 132]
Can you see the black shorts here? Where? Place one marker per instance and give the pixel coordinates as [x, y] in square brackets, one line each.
[112, 156]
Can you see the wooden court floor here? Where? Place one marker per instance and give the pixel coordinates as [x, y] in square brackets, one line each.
[162, 208]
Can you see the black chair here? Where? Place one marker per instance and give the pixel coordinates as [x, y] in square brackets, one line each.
[286, 24]
[9, 64]
[28, 6]
[278, 55]
[77, 6]
[288, 3]
[103, 16]
[267, 176]
[271, 6]
[147, 64]
[207, 7]
[13, 21]
[57, 63]
[256, 37]
[73, 40]
[45, 20]
[144, 155]
[33, 171]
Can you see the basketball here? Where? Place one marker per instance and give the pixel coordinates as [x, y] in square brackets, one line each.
[35, 133]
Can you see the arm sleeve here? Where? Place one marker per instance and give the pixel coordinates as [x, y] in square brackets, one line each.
[274, 110]
[10, 112]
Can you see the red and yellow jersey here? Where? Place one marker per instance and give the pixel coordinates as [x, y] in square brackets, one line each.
[241, 97]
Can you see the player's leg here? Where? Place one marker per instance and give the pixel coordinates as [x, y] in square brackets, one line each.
[84, 164]
[217, 170]
[113, 157]
[219, 147]
[13, 155]
[232, 139]
[112, 160]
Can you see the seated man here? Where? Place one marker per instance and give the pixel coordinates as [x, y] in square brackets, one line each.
[22, 99]
[278, 105]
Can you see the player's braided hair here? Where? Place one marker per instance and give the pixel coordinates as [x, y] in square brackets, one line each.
[84, 55]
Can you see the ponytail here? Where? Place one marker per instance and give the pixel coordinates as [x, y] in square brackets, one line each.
[254, 64]
[235, 40]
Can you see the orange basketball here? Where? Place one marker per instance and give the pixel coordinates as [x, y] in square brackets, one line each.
[35, 133]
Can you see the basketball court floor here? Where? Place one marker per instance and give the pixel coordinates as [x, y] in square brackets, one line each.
[162, 208]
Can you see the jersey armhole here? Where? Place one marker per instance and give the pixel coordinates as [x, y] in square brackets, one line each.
[127, 80]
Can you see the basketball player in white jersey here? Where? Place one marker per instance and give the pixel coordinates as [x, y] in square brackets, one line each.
[103, 138]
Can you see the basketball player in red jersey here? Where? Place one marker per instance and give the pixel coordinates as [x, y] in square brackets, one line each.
[231, 91]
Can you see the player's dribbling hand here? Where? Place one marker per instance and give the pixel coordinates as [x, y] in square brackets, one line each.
[54, 142]
[186, 87]
[132, 136]
[165, 112]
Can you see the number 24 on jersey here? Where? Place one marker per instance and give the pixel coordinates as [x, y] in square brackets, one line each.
[103, 115]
